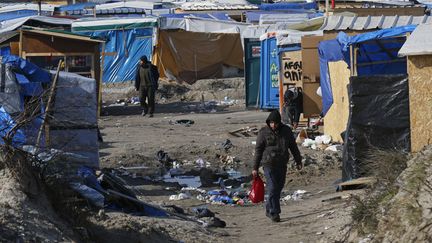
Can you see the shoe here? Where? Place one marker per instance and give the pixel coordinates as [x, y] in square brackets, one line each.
[275, 218]
[143, 113]
[151, 115]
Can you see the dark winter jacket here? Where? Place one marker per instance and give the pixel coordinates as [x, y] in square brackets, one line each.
[272, 146]
[147, 75]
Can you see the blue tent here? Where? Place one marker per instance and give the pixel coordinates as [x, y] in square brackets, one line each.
[126, 41]
[377, 54]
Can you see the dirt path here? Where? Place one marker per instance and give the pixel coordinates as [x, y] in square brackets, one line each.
[131, 140]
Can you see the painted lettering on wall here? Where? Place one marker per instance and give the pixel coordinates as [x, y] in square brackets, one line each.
[292, 67]
[293, 71]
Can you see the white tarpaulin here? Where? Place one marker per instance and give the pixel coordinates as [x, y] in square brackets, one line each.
[13, 24]
[419, 42]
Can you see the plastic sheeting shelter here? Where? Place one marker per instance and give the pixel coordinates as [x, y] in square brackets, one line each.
[189, 56]
[379, 118]
[73, 121]
[126, 41]
[372, 53]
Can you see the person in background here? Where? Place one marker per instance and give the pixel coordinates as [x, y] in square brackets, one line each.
[293, 106]
[272, 148]
[146, 82]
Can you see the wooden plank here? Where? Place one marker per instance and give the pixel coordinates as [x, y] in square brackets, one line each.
[358, 181]
[49, 104]
[336, 119]
[420, 99]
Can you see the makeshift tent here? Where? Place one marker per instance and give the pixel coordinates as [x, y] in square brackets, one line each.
[178, 57]
[73, 121]
[35, 21]
[127, 39]
[375, 55]
[379, 118]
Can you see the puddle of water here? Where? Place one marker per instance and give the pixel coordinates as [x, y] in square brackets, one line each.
[189, 181]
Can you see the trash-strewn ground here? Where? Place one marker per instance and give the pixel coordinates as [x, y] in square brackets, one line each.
[131, 140]
[191, 126]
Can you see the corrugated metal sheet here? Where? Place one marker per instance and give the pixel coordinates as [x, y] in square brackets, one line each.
[339, 22]
[419, 42]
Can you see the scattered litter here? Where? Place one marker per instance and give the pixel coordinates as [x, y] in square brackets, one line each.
[227, 145]
[184, 189]
[200, 162]
[213, 222]
[253, 142]
[327, 227]
[334, 148]
[319, 233]
[180, 196]
[324, 139]
[201, 212]
[297, 195]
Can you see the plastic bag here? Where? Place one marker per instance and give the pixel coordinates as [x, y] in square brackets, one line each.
[256, 194]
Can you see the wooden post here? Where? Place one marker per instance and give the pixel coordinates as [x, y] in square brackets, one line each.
[48, 107]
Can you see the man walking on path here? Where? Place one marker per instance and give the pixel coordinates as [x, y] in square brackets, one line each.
[146, 82]
[272, 145]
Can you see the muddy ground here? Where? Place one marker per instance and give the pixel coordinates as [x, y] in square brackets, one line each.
[131, 140]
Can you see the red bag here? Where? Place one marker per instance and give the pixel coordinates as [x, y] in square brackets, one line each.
[256, 194]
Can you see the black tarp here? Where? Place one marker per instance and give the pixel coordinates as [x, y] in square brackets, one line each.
[378, 119]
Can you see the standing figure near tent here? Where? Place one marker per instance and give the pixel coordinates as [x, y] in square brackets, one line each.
[146, 82]
[293, 106]
[273, 144]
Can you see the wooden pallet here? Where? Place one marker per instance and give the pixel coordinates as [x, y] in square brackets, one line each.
[245, 132]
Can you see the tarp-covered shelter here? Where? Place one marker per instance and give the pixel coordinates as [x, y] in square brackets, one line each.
[418, 50]
[365, 83]
[127, 39]
[72, 123]
[178, 57]
[46, 47]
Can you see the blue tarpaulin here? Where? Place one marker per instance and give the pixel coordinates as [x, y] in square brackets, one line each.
[284, 6]
[377, 54]
[28, 69]
[72, 7]
[125, 47]
[17, 14]
[6, 124]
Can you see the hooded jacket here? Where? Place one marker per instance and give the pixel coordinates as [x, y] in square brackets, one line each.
[272, 147]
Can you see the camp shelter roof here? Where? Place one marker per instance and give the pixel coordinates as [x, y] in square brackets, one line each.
[26, 6]
[63, 34]
[17, 14]
[285, 5]
[256, 31]
[129, 4]
[288, 37]
[196, 24]
[285, 18]
[13, 24]
[72, 7]
[214, 15]
[340, 22]
[419, 42]
[100, 24]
